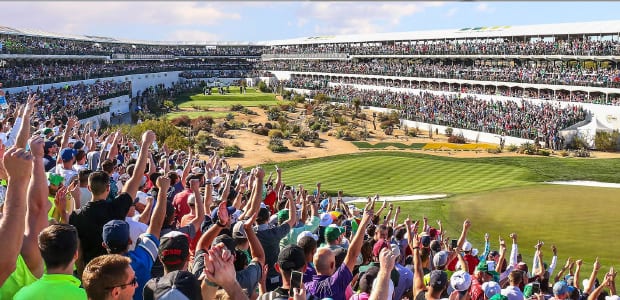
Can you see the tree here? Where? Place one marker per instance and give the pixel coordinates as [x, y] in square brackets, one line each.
[321, 98]
[357, 103]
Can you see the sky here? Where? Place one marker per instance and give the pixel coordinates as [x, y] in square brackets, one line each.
[252, 21]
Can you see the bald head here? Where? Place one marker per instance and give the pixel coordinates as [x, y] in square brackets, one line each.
[324, 261]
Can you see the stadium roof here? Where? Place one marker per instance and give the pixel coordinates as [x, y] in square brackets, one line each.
[544, 30]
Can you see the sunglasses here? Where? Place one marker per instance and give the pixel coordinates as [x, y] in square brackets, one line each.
[133, 282]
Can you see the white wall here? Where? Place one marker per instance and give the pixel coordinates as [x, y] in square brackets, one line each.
[119, 105]
[97, 119]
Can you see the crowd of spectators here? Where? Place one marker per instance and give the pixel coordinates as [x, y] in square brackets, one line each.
[310, 82]
[524, 120]
[22, 44]
[479, 47]
[100, 215]
[560, 75]
[81, 99]
[219, 74]
[18, 73]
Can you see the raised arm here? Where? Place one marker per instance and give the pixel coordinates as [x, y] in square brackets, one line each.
[387, 260]
[12, 224]
[24, 128]
[292, 211]
[38, 206]
[418, 274]
[194, 184]
[578, 262]
[502, 255]
[597, 291]
[208, 237]
[65, 136]
[278, 187]
[554, 260]
[596, 267]
[514, 250]
[188, 165]
[258, 253]
[159, 214]
[566, 266]
[356, 244]
[114, 149]
[463, 237]
[132, 185]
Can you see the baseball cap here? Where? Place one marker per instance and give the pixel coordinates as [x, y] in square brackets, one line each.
[491, 288]
[292, 257]
[174, 248]
[438, 279]
[460, 281]
[282, 215]
[483, 267]
[326, 220]
[467, 246]
[435, 245]
[440, 259]
[380, 244]
[47, 131]
[560, 288]
[612, 297]
[332, 232]
[216, 180]
[425, 240]
[48, 144]
[116, 235]
[54, 179]
[499, 297]
[527, 290]
[305, 234]
[238, 231]
[227, 240]
[177, 285]
[67, 154]
[197, 170]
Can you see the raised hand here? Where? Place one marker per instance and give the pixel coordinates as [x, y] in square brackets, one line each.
[148, 137]
[163, 183]
[387, 259]
[16, 161]
[555, 250]
[36, 146]
[222, 214]
[466, 224]
[219, 267]
[597, 264]
[194, 184]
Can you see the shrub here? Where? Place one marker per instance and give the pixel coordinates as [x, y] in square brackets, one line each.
[527, 148]
[316, 143]
[261, 130]
[269, 125]
[578, 142]
[564, 153]
[168, 104]
[230, 151]
[298, 142]
[219, 130]
[457, 139]
[308, 135]
[544, 152]
[298, 98]
[273, 113]
[321, 98]
[202, 123]
[236, 125]
[202, 141]
[262, 86]
[248, 111]
[230, 116]
[181, 121]
[606, 141]
[177, 142]
[263, 106]
[449, 131]
[275, 133]
[236, 107]
[276, 145]
[512, 148]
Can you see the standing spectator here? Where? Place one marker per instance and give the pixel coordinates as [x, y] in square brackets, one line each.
[59, 248]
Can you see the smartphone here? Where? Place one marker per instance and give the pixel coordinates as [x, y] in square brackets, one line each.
[296, 281]
[491, 265]
[454, 243]
[535, 288]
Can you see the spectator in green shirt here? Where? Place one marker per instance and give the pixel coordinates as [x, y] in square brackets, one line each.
[58, 245]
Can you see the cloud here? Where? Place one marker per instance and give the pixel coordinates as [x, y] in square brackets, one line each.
[90, 17]
[452, 12]
[360, 17]
[192, 36]
[484, 8]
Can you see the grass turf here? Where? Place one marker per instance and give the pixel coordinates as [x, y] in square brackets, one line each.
[196, 114]
[252, 98]
[398, 173]
[575, 219]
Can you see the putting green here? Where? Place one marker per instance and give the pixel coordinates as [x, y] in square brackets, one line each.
[196, 114]
[251, 98]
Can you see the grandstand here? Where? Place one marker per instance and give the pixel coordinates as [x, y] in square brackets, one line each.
[561, 67]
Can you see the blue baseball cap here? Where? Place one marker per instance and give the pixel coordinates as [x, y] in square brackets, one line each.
[116, 235]
[67, 154]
